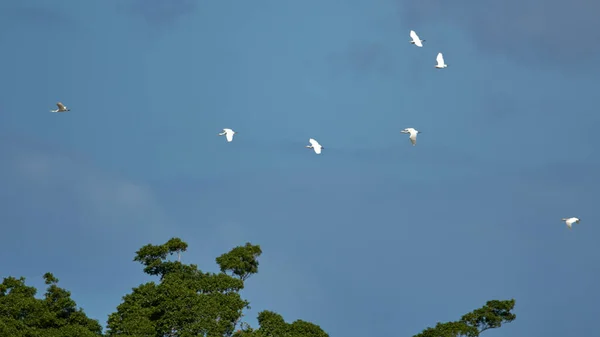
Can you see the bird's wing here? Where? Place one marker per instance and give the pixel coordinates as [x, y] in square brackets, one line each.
[317, 149]
[229, 136]
[413, 138]
[418, 44]
[414, 36]
[313, 142]
[60, 105]
[440, 59]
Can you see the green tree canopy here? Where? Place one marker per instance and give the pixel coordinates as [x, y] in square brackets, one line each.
[491, 316]
[272, 324]
[55, 315]
[187, 302]
[241, 261]
[154, 258]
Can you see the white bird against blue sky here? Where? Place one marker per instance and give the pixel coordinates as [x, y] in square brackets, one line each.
[228, 133]
[415, 39]
[570, 221]
[61, 108]
[159, 190]
[440, 61]
[413, 135]
[315, 146]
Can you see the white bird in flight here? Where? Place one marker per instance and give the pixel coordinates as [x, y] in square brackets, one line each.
[440, 61]
[228, 133]
[315, 146]
[570, 221]
[415, 39]
[413, 135]
[61, 108]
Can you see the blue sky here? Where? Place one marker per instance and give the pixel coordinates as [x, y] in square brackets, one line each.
[373, 237]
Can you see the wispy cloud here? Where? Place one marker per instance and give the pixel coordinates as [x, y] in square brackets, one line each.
[40, 16]
[528, 31]
[68, 181]
[162, 13]
[66, 214]
[362, 57]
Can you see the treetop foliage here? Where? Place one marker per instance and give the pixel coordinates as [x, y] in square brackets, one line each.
[241, 261]
[154, 257]
[55, 315]
[491, 316]
[187, 302]
[190, 302]
[272, 325]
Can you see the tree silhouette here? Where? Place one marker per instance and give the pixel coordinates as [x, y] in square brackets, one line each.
[55, 315]
[491, 316]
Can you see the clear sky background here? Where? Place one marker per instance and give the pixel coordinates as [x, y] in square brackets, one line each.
[372, 238]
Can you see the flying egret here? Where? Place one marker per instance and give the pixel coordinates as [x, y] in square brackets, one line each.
[413, 135]
[440, 61]
[570, 221]
[228, 133]
[415, 39]
[315, 146]
[61, 108]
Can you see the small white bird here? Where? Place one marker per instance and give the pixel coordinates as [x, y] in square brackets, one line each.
[413, 135]
[440, 61]
[415, 39]
[570, 221]
[228, 133]
[61, 108]
[315, 146]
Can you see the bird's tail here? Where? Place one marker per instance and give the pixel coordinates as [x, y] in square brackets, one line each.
[565, 219]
